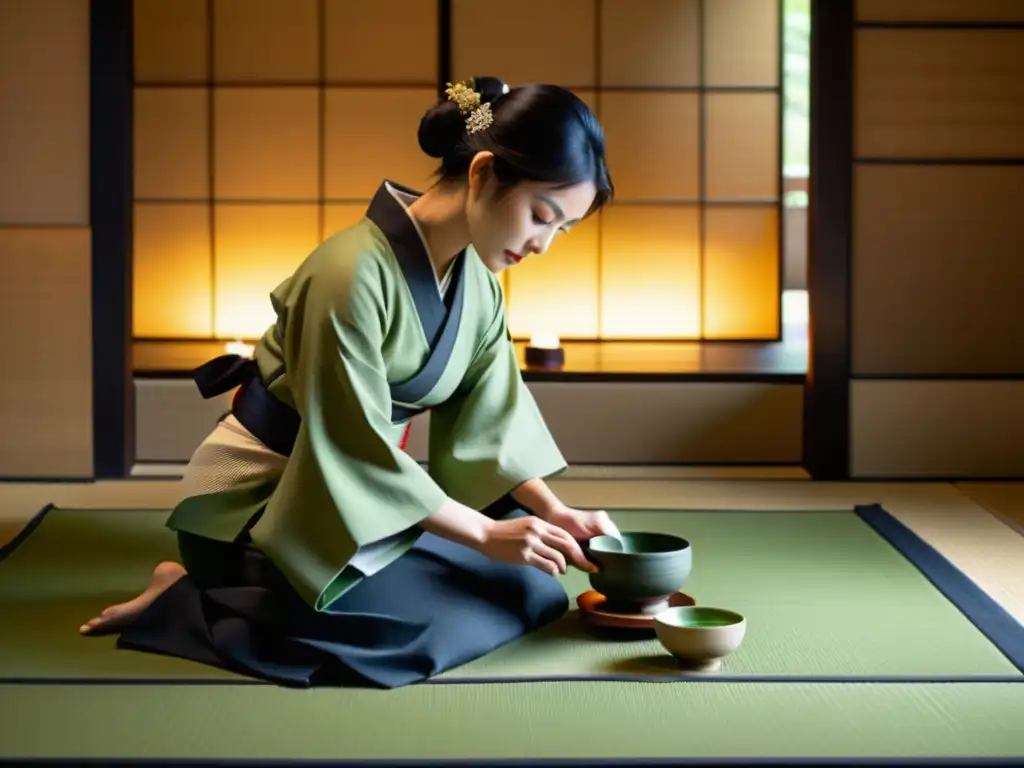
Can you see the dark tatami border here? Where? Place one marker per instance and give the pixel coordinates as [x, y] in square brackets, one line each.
[25, 532]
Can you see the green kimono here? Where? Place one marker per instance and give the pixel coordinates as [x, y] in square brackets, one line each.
[364, 340]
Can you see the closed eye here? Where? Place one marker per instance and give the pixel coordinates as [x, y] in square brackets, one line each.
[538, 220]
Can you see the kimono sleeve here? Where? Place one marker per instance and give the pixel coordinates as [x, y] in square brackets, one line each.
[348, 462]
[490, 437]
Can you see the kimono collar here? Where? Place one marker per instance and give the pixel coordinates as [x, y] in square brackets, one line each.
[388, 210]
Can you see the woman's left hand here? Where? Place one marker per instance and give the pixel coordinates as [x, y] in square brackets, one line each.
[581, 524]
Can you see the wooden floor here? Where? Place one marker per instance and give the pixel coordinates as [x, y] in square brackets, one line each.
[979, 527]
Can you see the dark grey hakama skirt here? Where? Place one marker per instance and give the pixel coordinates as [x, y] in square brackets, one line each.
[438, 606]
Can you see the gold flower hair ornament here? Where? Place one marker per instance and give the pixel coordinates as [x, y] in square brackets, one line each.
[478, 115]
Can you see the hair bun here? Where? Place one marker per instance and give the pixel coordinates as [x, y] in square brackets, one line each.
[441, 128]
[443, 124]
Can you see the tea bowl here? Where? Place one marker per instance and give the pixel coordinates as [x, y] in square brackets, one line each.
[699, 636]
[639, 571]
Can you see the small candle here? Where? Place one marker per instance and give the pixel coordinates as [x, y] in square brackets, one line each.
[544, 351]
[544, 341]
[239, 348]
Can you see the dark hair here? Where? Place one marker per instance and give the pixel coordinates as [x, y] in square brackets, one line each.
[540, 133]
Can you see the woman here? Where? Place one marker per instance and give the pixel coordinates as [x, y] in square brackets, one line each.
[316, 550]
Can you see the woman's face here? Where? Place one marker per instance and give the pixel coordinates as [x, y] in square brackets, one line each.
[509, 226]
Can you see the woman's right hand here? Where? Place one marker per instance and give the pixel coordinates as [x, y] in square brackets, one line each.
[531, 541]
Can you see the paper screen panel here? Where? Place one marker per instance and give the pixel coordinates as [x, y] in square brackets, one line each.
[339, 216]
[525, 41]
[171, 153]
[650, 272]
[741, 42]
[937, 284]
[656, 42]
[652, 144]
[556, 292]
[743, 146]
[266, 143]
[171, 290]
[371, 136]
[384, 41]
[939, 93]
[266, 40]
[257, 247]
[940, 10]
[741, 272]
[171, 41]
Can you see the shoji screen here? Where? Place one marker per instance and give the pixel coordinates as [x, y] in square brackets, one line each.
[262, 126]
[688, 93]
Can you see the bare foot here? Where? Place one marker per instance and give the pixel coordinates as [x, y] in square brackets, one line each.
[117, 616]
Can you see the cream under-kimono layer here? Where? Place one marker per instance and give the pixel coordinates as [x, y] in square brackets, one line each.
[367, 337]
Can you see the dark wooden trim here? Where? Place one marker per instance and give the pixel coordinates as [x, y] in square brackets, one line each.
[321, 121]
[780, 203]
[830, 213]
[211, 82]
[444, 34]
[584, 377]
[211, 155]
[580, 377]
[939, 161]
[444, 45]
[599, 234]
[711, 202]
[702, 167]
[754, 344]
[110, 210]
[937, 377]
[991, 26]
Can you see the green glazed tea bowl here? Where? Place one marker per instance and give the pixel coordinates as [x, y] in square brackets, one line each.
[639, 571]
[700, 636]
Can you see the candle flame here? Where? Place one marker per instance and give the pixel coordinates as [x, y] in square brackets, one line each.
[544, 341]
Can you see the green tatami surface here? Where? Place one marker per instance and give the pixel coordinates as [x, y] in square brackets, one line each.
[824, 595]
[524, 721]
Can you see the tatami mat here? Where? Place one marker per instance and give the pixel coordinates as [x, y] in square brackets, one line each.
[565, 720]
[835, 596]
[955, 521]
[591, 724]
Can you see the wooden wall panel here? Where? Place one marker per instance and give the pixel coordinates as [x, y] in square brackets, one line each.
[937, 429]
[937, 336]
[937, 271]
[939, 93]
[44, 113]
[46, 414]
